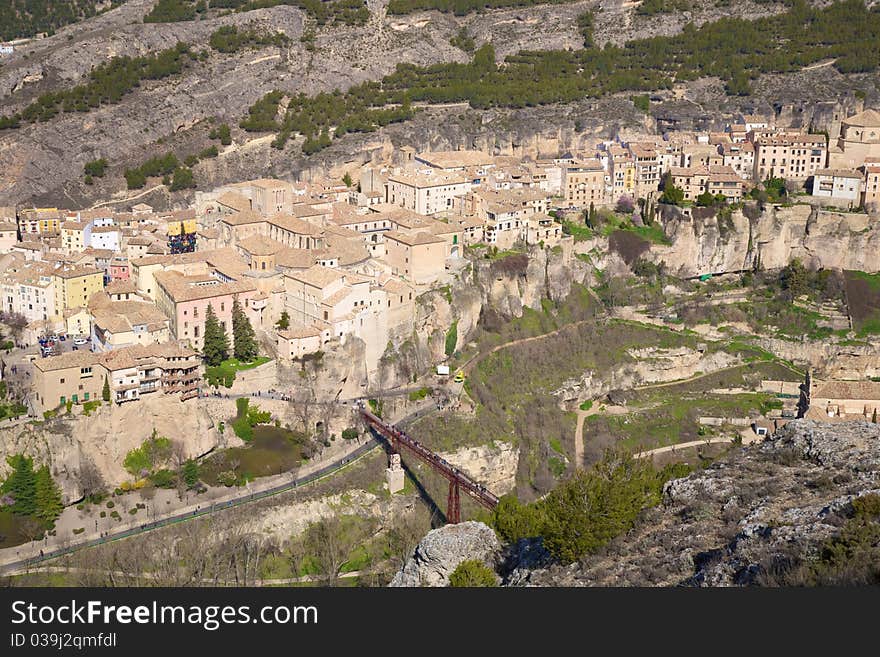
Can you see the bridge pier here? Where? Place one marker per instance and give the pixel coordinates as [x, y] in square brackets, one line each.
[394, 474]
[453, 504]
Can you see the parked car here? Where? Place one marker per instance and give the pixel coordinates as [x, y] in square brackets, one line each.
[81, 341]
[62, 338]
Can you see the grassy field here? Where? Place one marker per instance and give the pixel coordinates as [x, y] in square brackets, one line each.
[224, 373]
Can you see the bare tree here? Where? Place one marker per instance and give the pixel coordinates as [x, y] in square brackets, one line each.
[90, 479]
[330, 542]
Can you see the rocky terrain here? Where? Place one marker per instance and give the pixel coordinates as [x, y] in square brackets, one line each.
[706, 243]
[93, 447]
[751, 518]
[42, 162]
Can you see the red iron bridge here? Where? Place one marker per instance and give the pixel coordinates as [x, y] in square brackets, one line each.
[458, 480]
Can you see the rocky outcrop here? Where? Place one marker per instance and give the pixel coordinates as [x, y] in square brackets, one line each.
[731, 524]
[70, 445]
[704, 242]
[441, 550]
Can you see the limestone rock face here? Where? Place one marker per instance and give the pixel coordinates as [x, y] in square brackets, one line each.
[441, 550]
[106, 436]
[705, 243]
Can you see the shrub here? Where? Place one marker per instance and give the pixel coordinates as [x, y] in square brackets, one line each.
[350, 434]
[472, 573]
[451, 338]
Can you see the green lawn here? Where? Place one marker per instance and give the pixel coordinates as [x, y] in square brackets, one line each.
[224, 373]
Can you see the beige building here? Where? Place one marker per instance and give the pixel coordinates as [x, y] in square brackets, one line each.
[794, 156]
[838, 401]
[859, 141]
[78, 376]
[584, 183]
[425, 193]
[418, 257]
[871, 187]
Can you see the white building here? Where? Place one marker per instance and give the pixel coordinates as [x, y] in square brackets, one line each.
[841, 186]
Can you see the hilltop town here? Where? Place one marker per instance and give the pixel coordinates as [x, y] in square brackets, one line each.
[144, 347]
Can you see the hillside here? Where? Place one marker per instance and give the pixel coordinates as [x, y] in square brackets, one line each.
[801, 508]
[42, 159]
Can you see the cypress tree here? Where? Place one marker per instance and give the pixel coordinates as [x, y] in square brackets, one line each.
[21, 484]
[216, 347]
[48, 496]
[105, 393]
[284, 322]
[244, 341]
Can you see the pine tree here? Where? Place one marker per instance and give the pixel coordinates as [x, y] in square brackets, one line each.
[284, 322]
[244, 342]
[21, 484]
[216, 347]
[105, 393]
[47, 495]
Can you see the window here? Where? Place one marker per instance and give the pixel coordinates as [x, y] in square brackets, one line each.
[222, 306]
[86, 397]
[62, 381]
[326, 315]
[196, 331]
[63, 399]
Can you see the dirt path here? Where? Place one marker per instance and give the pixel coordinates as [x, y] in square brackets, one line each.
[747, 439]
[127, 198]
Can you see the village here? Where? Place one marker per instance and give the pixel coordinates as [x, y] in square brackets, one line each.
[124, 296]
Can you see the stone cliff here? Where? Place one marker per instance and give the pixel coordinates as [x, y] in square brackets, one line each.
[705, 242]
[79, 447]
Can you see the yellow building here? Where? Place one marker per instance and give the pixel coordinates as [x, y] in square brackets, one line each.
[74, 286]
[73, 236]
[40, 220]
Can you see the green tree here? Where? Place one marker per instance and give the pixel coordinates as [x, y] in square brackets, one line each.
[452, 338]
[346, 180]
[96, 168]
[105, 393]
[284, 321]
[190, 473]
[244, 340]
[672, 195]
[216, 341]
[705, 199]
[182, 179]
[21, 484]
[47, 496]
[472, 573]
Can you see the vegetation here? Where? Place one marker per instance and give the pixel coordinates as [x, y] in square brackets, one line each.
[464, 40]
[171, 11]
[107, 84]
[224, 373]
[863, 299]
[585, 27]
[244, 339]
[585, 512]
[160, 165]
[283, 322]
[216, 341]
[642, 102]
[247, 417]
[451, 338]
[26, 18]
[851, 558]
[96, 168]
[654, 7]
[182, 179]
[222, 133]
[153, 453]
[462, 7]
[229, 39]
[105, 391]
[324, 12]
[190, 473]
[472, 573]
